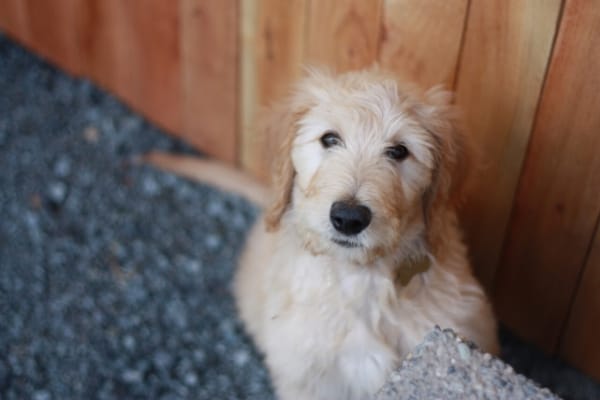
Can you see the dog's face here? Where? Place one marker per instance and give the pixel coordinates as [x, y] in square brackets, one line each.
[360, 168]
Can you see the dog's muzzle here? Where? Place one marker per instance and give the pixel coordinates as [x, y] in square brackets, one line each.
[349, 218]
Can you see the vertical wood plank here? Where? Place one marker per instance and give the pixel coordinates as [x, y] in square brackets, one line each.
[55, 30]
[158, 60]
[422, 39]
[100, 44]
[209, 33]
[506, 50]
[343, 34]
[580, 341]
[272, 53]
[558, 200]
[51, 29]
[109, 48]
[132, 48]
[14, 19]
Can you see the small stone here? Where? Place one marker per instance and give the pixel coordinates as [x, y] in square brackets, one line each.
[129, 342]
[199, 356]
[41, 395]
[215, 208]
[238, 220]
[464, 351]
[62, 167]
[192, 266]
[57, 192]
[241, 358]
[162, 359]
[91, 134]
[150, 186]
[190, 379]
[35, 201]
[212, 241]
[131, 376]
[177, 314]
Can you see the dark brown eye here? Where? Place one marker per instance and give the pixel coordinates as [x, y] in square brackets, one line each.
[397, 153]
[330, 138]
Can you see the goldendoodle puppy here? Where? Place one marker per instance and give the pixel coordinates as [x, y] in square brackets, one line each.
[359, 254]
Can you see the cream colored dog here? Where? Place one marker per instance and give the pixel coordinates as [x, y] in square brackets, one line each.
[359, 255]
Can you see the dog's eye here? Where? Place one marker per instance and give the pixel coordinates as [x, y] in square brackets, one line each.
[397, 153]
[330, 138]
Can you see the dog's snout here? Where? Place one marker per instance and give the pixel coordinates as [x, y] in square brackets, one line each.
[349, 218]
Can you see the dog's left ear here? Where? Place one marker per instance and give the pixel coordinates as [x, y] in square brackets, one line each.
[454, 155]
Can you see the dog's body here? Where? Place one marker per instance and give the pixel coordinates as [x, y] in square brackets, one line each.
[365, 186]
[317, 287]
[331, 329]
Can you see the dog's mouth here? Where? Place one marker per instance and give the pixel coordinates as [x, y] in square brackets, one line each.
[349, 244]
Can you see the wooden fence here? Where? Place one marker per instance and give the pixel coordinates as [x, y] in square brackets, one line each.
[526, 74]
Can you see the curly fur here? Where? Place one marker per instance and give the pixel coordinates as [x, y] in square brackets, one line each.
[333, 321]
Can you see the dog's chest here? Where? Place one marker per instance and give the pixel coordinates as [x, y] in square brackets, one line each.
[337, 323]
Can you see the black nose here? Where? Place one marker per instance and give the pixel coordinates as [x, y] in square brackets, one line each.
[349, 218]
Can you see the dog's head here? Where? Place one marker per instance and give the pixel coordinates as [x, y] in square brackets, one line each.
[364, 167]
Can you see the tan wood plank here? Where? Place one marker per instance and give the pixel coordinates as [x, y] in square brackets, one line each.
[558, 199]
[272, 54]
[343, 34]
[132, 48]
[158, 63]
[104, 45]
[14, 19]
[51, 29]
[55, 31]
[209, 33]
[422, 39]
[580, 342]
[507, 45]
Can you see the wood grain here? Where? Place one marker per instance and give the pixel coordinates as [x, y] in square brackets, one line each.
[272, 54]
[158, 60]
[579, 345]
[132, 48]
[344, 34]
[14, 19]
[54, 31]
[504, 59]
[51, 29]
[558, 200]
[421, 40]
[209, 40]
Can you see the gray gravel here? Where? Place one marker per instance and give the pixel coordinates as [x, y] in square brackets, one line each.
[114, 278]
[446, 367]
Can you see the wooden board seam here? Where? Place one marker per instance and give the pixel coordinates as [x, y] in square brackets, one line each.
[528, 149]
[461, 48]
[573, 297]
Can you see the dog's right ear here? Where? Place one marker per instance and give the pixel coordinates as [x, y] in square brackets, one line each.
[281, 127]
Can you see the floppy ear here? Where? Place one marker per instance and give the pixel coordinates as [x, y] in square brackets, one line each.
[454, 158]
[281, 127]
